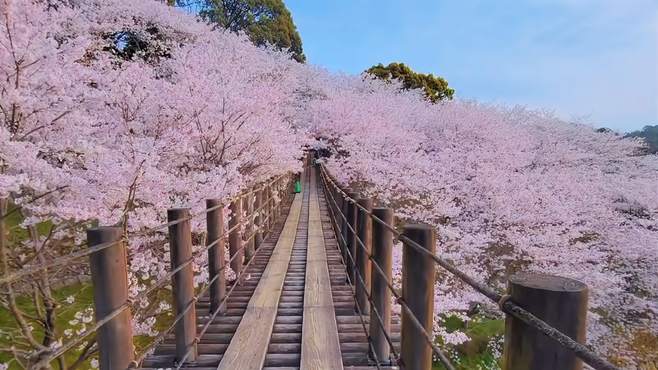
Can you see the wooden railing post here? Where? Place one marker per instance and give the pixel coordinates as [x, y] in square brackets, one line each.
[562, 304]
[382, 254]
[258, 219]
[109, 275]
[338, 210]
[180, 246]
[418, 278]
[216, 262]
[248, 237]
[276, 194]
[267, 210]
[351, 216]
[363, 250]
[235, 235]
[343, 227]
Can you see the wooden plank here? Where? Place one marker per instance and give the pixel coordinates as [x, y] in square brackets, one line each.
[320, 342]
[248, 347]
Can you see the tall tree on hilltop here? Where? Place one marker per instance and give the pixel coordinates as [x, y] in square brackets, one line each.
[435, 87]
[650, 136]
[264, 21]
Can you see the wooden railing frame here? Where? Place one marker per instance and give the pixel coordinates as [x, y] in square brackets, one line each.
[541, 295]
[109, 269]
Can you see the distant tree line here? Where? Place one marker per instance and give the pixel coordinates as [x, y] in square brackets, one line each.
[650, 136]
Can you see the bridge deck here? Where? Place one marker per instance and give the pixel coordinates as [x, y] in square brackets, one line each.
[296, 310]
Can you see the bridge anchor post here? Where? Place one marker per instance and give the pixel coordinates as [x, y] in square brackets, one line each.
[216, 262]
[109, 274]
[248, 208]
[351, 236]
[418, 278]
[258, 219]
[235, 236]
[382, 254]
[363, 251]
[182, 283]
[562, 304]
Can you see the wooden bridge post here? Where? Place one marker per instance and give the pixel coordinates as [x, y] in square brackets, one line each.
[277, 195]
[351, 237]
[363, 250]
[418, 277]
[216, 262]
[560, 302]
[337, 204]
[268, 209]
[248, 236]
[343, 226]
[109, 275]
[258, 219]
[382, 254]
[182, 283]
[235, 235]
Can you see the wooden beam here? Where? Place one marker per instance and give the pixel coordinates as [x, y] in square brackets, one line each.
[248, 346]
[320, 343]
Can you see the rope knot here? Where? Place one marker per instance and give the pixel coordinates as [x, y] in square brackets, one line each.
[503, 300]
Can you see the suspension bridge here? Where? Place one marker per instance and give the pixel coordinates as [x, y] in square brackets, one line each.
[313, 289]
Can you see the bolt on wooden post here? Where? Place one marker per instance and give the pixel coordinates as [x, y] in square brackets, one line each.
[562, 304]
[382, 254]
[363, 250]
[216, 262]
[418, 277]
[235, 235]
[180, 246]
[109, 275]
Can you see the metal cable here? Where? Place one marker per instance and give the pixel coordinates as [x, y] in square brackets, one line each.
[66, 347]
[379, 318]
[509, 307]
[58, 261]
[164, 333]
[107, 318]
[379, 269]
[360, 312]
[99, 247]
[390, 287]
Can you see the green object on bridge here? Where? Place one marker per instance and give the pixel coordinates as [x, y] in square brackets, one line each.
[298, 186]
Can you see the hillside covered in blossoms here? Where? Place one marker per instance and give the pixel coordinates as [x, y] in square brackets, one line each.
[114, 110]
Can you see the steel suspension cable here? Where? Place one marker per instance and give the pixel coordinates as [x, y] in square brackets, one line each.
[505, 305]
[439, 353]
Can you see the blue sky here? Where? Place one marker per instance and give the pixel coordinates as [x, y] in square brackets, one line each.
[592, 60]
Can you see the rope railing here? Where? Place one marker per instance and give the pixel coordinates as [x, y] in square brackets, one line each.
[503, 301]
[359, 310]
[183, 354]
[108, 264]
[439, 353]
[380, 320]
[64, 260]
[158, 339]
[214, 314]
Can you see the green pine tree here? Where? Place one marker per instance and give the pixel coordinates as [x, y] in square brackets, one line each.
[264, 21]
[436, 88]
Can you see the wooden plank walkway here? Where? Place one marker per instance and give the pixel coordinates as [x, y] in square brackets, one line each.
[320, 342]
[296, 311]
[248, 346]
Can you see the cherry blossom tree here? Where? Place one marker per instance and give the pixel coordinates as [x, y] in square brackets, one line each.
[112, 111]
[508, 189]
